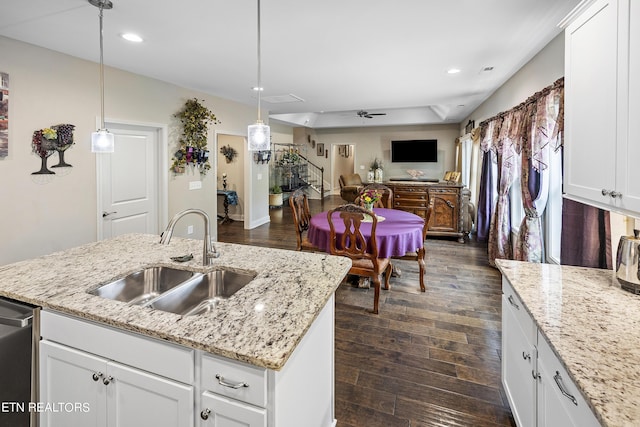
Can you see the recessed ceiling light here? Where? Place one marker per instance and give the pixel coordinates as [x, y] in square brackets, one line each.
[453, 71]
[132, 37]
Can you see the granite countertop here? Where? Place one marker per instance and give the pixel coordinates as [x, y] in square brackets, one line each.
[593, 326]
[260, 324]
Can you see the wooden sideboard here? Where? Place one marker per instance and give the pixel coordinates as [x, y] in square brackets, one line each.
[445, 199]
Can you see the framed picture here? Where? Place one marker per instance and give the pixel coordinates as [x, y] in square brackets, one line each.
[469, 127]
[320, 149]
[4, 114]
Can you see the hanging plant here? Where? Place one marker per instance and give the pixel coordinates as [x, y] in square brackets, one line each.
[228, 152]
[195, 119]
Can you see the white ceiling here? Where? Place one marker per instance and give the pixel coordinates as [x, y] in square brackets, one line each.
[337, 56]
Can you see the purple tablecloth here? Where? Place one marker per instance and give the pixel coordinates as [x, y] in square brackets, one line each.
[399, 233]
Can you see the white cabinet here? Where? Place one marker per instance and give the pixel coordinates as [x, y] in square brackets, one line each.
[539, 389]
[105, 377]
[602, 75]
[300, 394]
[518, 358]
[128, 380]
[559, 400]
[222, 412]
[93, 391]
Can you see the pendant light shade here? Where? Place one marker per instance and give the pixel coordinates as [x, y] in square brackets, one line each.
[102, 141]
[259, 137]
[259, 134]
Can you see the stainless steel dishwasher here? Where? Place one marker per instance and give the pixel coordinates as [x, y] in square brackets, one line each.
[19, 338]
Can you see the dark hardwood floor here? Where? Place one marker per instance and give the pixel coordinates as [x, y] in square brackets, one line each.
[428, 359]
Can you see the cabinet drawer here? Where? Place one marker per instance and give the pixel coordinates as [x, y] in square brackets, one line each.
[560, 399]
[410, 203]
[169, 360]
[217, 372]
[519, 311]
[443, 190]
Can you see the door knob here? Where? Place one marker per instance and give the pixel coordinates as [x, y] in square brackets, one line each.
[106, 214]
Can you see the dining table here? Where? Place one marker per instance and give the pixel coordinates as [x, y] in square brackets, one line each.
[397, 234]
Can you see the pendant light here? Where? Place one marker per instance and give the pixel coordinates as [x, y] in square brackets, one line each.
[259, 134]
[102, 141]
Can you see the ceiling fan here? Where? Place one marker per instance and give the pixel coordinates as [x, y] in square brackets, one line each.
[368, 115]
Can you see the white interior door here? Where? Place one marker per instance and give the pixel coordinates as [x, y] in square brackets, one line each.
[128, 183]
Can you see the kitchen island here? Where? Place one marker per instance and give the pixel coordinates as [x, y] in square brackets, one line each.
[260, 326]
[590, 325]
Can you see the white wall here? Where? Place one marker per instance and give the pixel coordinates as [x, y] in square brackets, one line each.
[543, 69]
[47, 88]
[372, 142]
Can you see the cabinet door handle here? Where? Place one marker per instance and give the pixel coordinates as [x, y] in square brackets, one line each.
[512, 302]
[562, 388]
[535, 375]
[223, 383]
[96, 376]
[526, 356]
[107, 380]
[615, 195]
[205, 414]
[606, 192]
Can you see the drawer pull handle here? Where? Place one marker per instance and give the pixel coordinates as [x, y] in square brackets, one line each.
[562, 388]
[526, 356]
[96, 376]
[512, 302]
[205, 414]
[223, 383]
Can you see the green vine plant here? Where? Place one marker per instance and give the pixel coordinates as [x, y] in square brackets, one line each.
[195, 119]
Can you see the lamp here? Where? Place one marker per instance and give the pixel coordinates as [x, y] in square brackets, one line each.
[102, 141]
[259, 134]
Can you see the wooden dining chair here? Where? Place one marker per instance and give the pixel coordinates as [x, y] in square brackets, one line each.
[362, 251]
[299, 203]
[386, 201]
[420, 253]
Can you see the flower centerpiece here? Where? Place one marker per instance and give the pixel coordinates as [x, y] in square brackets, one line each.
[369, 196]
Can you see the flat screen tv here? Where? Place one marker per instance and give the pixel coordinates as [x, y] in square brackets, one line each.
[414, 150]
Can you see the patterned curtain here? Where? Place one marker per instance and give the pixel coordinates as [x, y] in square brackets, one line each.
[540, 132]
[519, 140]
[506, 141]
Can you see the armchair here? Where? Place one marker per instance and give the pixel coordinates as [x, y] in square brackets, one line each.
[350, 187]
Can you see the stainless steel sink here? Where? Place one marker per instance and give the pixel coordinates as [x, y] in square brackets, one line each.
[202, 293]
[142, 286]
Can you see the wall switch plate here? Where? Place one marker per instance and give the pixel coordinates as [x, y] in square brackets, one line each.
[361, 167]
[190, 229]
[195, 185]
[259, 176]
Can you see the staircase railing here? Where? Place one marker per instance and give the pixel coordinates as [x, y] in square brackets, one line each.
[316, 174]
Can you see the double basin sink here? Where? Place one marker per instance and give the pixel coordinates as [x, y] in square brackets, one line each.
[177, 291]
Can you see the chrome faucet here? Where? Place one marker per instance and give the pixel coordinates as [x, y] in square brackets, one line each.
[209, 251]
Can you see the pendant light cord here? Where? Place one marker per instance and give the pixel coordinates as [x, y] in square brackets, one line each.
[259, 88]
[101, 72]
